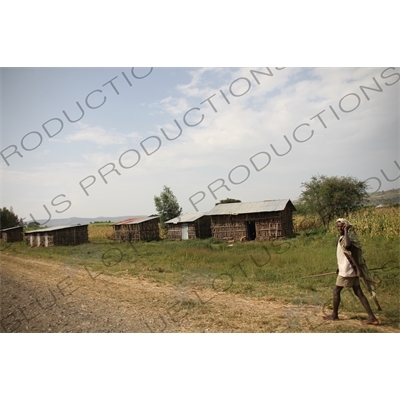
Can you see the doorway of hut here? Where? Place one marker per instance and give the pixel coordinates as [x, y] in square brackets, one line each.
[250, 230]
[185, 232]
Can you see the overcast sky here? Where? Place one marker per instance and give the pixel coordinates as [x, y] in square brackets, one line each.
[228, 128]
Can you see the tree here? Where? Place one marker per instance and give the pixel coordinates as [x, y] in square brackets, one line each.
[333, 197]
[229, 200]
[167, 206]
[33, 224]
[8, 219]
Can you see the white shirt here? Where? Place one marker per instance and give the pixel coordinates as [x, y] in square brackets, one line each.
[345, 268]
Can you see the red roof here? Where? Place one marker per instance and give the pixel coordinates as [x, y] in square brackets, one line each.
[135, 220]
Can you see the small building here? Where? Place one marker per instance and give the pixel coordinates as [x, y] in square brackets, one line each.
[137, 229]
[261, 220]
[58, 236]
[15, 234]
[189, 226]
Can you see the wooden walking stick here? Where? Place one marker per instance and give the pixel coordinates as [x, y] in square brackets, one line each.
[324, 274]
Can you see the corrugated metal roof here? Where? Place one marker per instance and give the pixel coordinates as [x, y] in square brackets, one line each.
[190, 217]
[53, 228]
[9, 229]
[248, 208]
[136, 220]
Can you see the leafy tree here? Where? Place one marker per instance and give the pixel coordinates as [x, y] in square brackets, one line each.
[8, 219]
[33, 224]
[167, 206]
[332, 197]
[228, 200]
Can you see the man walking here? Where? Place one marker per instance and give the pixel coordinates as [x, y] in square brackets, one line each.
[351, 266]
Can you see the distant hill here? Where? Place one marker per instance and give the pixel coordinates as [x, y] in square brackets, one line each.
[385, 197]
[84, 221]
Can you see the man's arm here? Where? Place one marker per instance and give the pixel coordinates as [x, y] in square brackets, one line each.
[348, 244]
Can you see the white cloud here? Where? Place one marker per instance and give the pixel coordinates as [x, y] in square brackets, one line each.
[203, 83]
[98, 158]
[174, 106]
[96, 135]
[262, 117]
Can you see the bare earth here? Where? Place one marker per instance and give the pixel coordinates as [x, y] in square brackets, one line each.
[38, 296]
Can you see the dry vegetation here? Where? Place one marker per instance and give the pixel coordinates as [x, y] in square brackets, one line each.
[376, 222]
[371, 221]
[100, 232]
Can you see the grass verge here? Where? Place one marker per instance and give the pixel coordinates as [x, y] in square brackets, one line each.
[271, 270]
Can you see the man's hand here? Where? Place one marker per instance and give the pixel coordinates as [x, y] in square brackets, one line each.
[347, 227]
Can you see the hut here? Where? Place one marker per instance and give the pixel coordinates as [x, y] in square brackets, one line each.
[189, 226]
[15, 234]
[58, 236]
[137, 229]
[262, 220]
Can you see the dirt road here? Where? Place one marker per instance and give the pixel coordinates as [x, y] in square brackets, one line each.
[38, 296]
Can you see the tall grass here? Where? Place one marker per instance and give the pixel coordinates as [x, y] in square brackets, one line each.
[370, 221]
[375, 222]
[100, 232]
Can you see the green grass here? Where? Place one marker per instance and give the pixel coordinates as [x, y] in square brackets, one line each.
[272, 270]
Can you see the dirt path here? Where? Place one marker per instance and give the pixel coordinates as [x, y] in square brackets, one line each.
[39, 296]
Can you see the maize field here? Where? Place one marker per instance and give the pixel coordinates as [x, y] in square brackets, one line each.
[305, 222]
[100, 231]
[372, 222]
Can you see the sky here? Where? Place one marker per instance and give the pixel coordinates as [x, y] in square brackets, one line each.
[253, 134]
